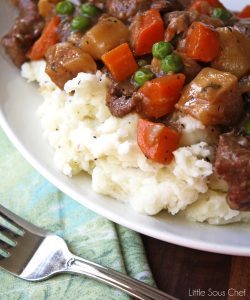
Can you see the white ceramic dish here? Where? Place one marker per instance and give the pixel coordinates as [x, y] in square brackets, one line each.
[18, 103]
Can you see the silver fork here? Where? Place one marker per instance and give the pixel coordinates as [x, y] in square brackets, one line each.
[33, 254]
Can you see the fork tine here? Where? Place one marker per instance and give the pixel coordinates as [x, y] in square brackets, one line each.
[3, 254]
[5, 246]
[8, 236]
[9, 233]
[19, 222]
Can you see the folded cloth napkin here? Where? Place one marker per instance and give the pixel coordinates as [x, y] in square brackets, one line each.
[87, 234]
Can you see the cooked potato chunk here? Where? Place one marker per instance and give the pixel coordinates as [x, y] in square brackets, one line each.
[234, 55]
[104, 36]
[213, 98]
[65, 61]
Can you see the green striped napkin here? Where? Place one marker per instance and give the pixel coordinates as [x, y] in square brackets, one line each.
[28, 194]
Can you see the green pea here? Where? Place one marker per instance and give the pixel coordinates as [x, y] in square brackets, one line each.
[80, 23]
[65, 8]
[162, 49]
[172, 63]
[221, 13]
[90, 10]
[143, 75]
[247, 127]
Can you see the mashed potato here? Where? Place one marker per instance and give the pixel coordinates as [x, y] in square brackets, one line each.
[86, 137]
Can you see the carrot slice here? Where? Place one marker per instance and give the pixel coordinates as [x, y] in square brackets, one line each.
[245, 13]
[159, 96]
[120, 62]
[205, 6]
[48, 38]
[146, 30]
[157, 141]
[202, 42]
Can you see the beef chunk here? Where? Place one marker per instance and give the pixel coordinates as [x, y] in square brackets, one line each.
[185, 3]
[166, 5]
[232, 163]
[119, 100]
[125, 9]
[99, 3]
[65, 33]
[243, 26]
[178, 22]
[244, 84]
[64, 30]
[26, 30]
[191, 67]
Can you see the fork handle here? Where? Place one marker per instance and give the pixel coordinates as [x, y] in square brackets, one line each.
[127, 284]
